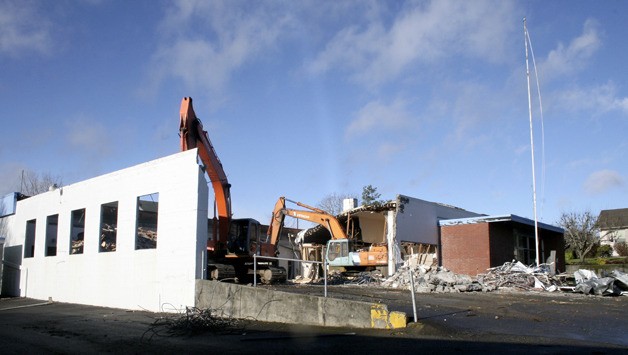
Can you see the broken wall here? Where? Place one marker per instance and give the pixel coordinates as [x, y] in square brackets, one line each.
[417, 220]
[372, 226]
[127, 277]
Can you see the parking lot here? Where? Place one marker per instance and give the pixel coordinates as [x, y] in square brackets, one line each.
[471, 322]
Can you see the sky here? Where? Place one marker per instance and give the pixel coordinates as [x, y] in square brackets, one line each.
[305, 99]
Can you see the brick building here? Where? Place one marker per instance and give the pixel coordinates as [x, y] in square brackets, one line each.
[472, 245]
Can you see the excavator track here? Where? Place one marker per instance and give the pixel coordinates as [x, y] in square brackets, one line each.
[272, 274]
[221, 272]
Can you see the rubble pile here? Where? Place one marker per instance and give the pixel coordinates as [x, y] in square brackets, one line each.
[374, 277]
[108, 237]
[77, 246]
[432, 279]
[516, 275]
[513, 275]
[146, 238]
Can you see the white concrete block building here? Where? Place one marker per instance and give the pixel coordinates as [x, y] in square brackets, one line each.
[132, 239]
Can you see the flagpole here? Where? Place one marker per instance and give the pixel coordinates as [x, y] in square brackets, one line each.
[536, 223]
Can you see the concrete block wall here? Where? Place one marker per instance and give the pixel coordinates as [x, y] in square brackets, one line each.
[125, 278]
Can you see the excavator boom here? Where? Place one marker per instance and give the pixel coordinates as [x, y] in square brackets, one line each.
[193, 136]
[314, 215]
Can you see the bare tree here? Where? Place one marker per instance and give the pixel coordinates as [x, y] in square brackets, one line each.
[581, 232]
[34, 183]
[332, 203]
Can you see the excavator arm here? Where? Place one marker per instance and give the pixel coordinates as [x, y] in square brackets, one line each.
[193, 136]
[313, 214]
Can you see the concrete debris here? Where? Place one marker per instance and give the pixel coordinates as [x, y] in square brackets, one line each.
[432, 279]
[588, 282]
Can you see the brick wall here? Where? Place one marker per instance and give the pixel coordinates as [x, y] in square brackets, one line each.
[465, 248]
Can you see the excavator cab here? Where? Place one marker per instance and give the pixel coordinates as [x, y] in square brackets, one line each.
[243, 236]
[338, 252]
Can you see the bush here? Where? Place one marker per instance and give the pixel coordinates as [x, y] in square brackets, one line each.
[621, 248]
[604, 251]
[569, 254]
[593, 252]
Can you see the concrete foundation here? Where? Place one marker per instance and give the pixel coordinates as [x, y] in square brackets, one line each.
[246, 302]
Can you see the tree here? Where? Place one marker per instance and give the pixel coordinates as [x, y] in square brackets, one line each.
[332, 203]
[34, 183]
[581, 232]
[370, 196]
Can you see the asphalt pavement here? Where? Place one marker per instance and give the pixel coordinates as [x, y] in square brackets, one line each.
[471, 323]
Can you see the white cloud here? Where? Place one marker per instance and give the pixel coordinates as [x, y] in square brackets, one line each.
[90, 137]
[571, 58]
[386, 150]
[599, 99]
[379, 116]
[377, 52]
[23, 29]
[602, 181]
[205, 42]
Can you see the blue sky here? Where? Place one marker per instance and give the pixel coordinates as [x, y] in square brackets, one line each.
[307, 98]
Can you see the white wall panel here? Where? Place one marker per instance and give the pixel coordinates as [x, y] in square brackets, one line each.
[125, 278]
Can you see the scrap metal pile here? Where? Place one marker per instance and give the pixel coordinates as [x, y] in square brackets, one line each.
[587, 282]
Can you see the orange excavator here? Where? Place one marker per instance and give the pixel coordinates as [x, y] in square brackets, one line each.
[231, 243]
[341, 250]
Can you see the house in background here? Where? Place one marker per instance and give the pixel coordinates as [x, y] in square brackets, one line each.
[613, 227]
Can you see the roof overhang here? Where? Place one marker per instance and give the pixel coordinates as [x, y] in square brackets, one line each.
[500, 218]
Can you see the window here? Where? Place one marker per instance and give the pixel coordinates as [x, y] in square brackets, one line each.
[52, 223]
[147, 210]
[29, 243]
[77, 231]
[108, 226]
[525, 248]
